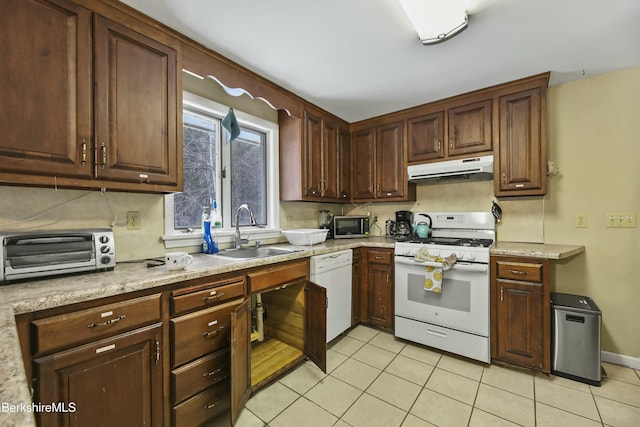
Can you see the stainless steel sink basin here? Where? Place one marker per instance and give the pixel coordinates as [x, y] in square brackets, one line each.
[259, 252]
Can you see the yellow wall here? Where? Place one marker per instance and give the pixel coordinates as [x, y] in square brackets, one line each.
[593, 137]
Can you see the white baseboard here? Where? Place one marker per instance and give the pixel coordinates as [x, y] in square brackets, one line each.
[620, 359]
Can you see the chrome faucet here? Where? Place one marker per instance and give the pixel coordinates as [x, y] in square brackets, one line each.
[238, 240]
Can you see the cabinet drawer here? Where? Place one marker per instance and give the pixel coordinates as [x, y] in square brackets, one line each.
[203, 296]
[199, 374]
[528, 272]
[379, 257]
[203, 406]
[278, 275]
[202, 332]
[67, 330]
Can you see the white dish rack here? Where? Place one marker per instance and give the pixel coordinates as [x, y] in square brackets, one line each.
[305, 236]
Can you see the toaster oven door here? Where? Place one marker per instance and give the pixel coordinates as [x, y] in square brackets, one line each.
[33, 255]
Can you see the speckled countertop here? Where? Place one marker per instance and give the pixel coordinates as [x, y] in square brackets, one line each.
[26, 297]
[536, 250]
[38, 295]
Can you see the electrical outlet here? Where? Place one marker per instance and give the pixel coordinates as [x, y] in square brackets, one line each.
[629, 219]
[620, 219]
[582, 221]
[133, 220]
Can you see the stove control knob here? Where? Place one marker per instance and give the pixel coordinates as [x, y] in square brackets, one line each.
[471, 256]
[459, 255]
[406, 251]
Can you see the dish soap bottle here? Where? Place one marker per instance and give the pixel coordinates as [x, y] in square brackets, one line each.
[216, 218]
[207, 241]
[216, 224]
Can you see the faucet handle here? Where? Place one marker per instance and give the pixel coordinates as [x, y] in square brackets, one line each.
[258, 243]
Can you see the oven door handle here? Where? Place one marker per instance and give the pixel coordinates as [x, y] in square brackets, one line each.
[460, 266]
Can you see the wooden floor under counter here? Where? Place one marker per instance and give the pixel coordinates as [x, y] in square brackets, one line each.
[270, 357]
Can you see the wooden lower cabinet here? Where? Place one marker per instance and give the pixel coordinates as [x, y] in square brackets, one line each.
[200, 330]
[356, 277]
[113, 382]
[378, 293]
[120, 373]
[520, 312]
[294, 329]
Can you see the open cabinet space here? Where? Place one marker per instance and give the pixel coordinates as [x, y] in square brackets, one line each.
[283, 322]
[282, 343]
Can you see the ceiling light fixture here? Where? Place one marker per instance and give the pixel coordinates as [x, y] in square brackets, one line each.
[436, 20]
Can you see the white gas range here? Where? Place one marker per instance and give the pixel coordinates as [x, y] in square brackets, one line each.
[456, 319]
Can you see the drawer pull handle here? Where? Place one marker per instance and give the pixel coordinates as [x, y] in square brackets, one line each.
[214, 404]
[518, 272]
[105, 323]
[216, 371]
[213, 297]
[213, 333]
[378, 257]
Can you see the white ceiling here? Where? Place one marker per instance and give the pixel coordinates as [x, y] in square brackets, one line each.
[361, 58]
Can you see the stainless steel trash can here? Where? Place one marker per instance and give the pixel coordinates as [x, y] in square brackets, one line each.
[575, 335]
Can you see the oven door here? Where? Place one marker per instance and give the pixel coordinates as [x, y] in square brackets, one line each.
[463, 304]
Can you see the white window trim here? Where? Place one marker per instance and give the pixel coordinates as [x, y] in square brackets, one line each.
[181, 238]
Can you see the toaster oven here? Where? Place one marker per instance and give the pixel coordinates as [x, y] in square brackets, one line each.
[26, 255]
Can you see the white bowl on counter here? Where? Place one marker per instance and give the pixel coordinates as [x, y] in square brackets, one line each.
[305, 236]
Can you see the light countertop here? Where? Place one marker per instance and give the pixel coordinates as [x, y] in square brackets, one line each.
[36, 295]
[536, 250]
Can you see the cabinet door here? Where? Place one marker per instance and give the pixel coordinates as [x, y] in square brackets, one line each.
[329, 160]
[344, 164]
[136, 104]
[362, 164]
[522, 151]
[240, 358]
[45, 81]
[315, 341]
[380, 295]
[112, 382]
[312, 156]
[520, 322]
[390, 165]
[355, 286]
[426, 137]
[470, 128]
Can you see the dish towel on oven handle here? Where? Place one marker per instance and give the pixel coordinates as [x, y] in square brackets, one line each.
[433, 274]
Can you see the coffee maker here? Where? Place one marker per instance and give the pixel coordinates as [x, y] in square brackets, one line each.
[404, 219]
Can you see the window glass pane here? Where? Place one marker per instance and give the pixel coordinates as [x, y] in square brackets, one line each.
[200, 164]
[249, 175]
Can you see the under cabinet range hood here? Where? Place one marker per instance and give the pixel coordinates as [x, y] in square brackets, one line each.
[473, 168]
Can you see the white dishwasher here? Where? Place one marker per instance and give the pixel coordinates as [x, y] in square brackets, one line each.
[333, 272]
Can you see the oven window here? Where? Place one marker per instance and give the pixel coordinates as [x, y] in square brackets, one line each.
[456, 294]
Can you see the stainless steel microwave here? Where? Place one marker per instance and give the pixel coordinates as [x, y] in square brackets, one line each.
[350, 226]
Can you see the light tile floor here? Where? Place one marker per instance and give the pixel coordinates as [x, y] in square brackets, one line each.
[374, 380]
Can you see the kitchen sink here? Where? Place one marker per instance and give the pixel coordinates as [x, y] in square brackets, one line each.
[253, 252]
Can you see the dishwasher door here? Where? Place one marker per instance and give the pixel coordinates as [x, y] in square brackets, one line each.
[333, 272]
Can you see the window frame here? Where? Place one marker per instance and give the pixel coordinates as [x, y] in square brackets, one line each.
[176, 238]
